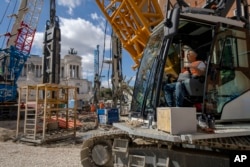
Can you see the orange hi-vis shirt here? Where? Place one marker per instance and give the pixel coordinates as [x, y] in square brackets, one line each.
[197, 68]
[92, 108]
[101, 105]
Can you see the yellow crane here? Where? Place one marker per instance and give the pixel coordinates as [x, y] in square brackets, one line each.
[132, 21]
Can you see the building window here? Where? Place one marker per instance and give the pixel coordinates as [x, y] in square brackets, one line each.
[77, 71]
[71, 71]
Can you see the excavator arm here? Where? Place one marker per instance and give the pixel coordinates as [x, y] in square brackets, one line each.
[132, 21]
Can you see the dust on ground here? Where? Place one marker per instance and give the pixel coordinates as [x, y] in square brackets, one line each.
[8, 130]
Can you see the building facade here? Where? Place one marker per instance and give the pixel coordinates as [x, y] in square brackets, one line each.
[70, 74]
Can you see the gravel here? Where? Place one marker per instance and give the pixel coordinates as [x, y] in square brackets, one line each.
[23, 155]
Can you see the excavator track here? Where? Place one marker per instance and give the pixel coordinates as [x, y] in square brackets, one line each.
[97, 149]
[101, 149]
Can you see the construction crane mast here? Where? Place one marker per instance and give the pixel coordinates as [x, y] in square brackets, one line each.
[16, 53]
[120, 88]
[52, 48]
[97, 82]
[116, 69]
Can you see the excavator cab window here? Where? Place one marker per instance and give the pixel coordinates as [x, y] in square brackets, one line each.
[149, 76]
[162, 57]
[195, 35]
[229, 70]
[145, 72]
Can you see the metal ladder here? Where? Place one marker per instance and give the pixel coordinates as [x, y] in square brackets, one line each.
[31, 112]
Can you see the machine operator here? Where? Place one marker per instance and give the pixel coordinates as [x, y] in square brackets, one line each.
[194, 68]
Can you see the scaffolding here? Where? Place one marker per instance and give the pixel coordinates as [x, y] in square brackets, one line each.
[50, 112]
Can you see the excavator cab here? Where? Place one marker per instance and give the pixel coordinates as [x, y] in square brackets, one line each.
[223, 44]
[223, 92]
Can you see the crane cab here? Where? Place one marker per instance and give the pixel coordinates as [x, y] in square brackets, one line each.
[223, 44]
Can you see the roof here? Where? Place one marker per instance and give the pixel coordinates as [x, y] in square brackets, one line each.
[213, 19]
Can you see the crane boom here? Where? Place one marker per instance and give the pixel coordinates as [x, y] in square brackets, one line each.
[24, 28]
[132, 21]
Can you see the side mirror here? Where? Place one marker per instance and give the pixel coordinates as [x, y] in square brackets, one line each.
[172, 21]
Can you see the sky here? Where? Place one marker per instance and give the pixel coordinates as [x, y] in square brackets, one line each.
[82, 27]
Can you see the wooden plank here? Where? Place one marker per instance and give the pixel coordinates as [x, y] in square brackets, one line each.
[164, 120]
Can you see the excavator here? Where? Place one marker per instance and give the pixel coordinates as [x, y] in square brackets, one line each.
[213, 128]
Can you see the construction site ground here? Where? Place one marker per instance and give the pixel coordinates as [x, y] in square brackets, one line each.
[61, 153]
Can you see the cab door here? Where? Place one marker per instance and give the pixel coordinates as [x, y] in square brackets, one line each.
[227, 90]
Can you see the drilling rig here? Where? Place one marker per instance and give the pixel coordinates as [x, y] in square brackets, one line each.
[52, 48]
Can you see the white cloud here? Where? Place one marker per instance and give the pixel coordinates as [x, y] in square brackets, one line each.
[94, 16]
[70, 4]
[101, 20]
[106, 83]
[81, 34]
